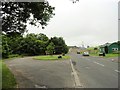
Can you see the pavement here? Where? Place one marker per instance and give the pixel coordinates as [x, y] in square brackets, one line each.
[41, 74]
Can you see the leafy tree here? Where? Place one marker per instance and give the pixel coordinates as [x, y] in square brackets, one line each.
[5, 47]
[16, 14]
[32, 44]
[42, 37]
[14, 43]
[28, 45]
[65, 50]
[40, 47]
[50, 48]
[60, 46]
[74, 1]
[35, 44]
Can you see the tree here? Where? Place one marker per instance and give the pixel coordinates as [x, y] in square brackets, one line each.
[5, 47]
[28, 45]
[16, 14]
[42, 37]
[31, 45]
[60, 45]
[50, 48]
[74, 1]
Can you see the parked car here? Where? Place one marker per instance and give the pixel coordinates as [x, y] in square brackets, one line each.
[78, 52]
[85, 54]
[102, 54]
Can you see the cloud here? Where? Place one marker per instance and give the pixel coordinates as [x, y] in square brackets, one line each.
[92, 21]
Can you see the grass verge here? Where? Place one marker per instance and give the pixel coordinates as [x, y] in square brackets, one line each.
[13, 56]
[8, 80]
[0, 74]
[112, 55]
[106, 55]
[49, 57]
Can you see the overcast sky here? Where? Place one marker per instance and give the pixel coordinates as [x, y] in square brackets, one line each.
[91, 22]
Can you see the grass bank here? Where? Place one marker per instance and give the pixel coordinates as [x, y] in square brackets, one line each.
[8, 80]
[49, 57]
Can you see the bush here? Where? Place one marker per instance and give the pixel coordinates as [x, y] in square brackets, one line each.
[63, 54]
[59, 56]
[14, 55]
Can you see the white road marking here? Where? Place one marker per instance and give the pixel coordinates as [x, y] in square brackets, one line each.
[37, 86]
[117, 71]
[99, 64]
[76, 78]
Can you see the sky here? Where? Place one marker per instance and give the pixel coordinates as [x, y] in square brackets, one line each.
[88, 22]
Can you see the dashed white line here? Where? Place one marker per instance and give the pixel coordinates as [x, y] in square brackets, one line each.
[117, 71]
[99, 64]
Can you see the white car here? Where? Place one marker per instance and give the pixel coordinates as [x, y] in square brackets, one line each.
[86, 54]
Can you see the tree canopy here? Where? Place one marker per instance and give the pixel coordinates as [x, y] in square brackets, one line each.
[16, 14]
[32, 44]
[50, 48]
[60, 45]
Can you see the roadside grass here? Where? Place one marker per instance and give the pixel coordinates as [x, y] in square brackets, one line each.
[111, 55]
[13, 56]
[8, 80]
[49, 57]
[106, 55]
[0, 74]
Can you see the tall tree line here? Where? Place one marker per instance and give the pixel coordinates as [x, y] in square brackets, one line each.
[31, 44]
[14, 17]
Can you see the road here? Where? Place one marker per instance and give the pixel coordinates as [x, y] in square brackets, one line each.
[32, 73]
[78, 72]
[96, 72]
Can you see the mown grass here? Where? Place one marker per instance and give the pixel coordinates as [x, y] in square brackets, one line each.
[106, 55]
[112, 55]
[8, 80]
[49, 57]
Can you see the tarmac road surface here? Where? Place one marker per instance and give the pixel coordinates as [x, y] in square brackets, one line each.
[41, 74]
